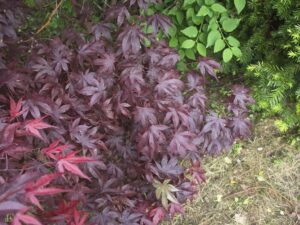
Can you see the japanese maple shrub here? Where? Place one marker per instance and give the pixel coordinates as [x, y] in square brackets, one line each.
[94, 128]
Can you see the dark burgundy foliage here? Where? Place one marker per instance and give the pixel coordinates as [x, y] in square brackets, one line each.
[208, 66]
[143, 4]
[215, 135]
[100, 30]
[131, 39]
[89, 123]
[240, 99]
[167, 168]
[120, 13]
[160, 21]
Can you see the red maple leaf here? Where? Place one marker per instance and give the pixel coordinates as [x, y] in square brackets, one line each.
[7, 134]
[54, 149]
[15, 108]
[175, 208]
[157, 215]
[197, 172]
[78, 219]
[68, 163]
[21, 218]
[33, 126]
[37, 188]
[65, 209]
[68, 210]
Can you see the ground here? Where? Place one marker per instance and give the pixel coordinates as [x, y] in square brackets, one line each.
[257, 183]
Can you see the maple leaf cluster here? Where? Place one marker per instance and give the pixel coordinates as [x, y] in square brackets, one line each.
[94, 128]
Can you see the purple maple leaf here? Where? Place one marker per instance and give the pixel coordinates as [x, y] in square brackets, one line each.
[198, 99]
[132, 77]
[106, 62]
[131, 38]
[241, 126]
[178, 116]
[145, 116]
[182, 143]
[95, 89]
[169, 86]
[215, 135]
[151, 138]
[102, 30]
[208, 66]
[143, 4]
[168, 167]
[240, 97]
[159, 21]
[43, 69]
[118, 12]
[61, 58]
[194, 81]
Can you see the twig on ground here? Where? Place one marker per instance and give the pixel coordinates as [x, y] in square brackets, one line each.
[54, 11]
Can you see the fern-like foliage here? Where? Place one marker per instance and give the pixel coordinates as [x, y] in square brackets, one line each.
[263, 33]
[276, 83]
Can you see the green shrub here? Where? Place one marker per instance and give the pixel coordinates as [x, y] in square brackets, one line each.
[264, 38]
[203, 27]
[270, 36]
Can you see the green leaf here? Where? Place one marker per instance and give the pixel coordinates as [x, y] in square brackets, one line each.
[201, 49]
[149, 12]
[30, 3]
[173, 11]
[181, 66]
[148, 29]
[223, 17]
[190, 54]
[181, 54]
[230, 25]
[164, 200]
[190, 13]
[164, 192]
[227, 55]
[147, 43]
[188, 44]
[197, 20]
[209, 2]
[213, 25]
[181, 39]
[172, 31]
[179, 17]
[212, 37]
[237, 52]
[218, 8]
[233, 41]
[173, 43]
[188, 2]
[171, 197]
[203, 11]
[219, 45]
[159, 7]
[239, 5]
[202, 37]
[190, 31]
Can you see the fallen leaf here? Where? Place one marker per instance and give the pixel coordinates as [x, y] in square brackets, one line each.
[240, 219]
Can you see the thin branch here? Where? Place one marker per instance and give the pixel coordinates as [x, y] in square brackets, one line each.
[54, 11]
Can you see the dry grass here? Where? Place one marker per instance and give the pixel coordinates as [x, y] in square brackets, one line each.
[256, 184]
